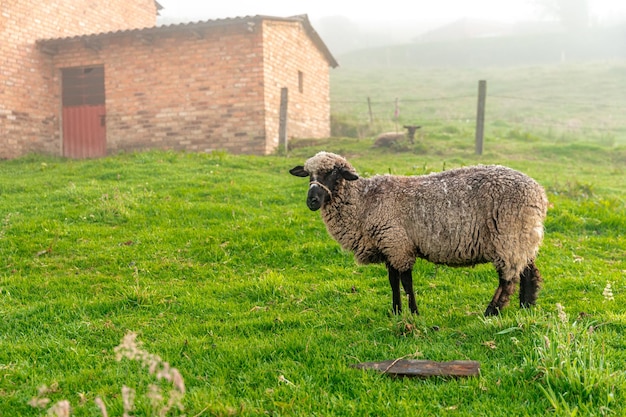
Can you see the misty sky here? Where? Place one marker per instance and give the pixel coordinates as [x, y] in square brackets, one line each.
[388, 10]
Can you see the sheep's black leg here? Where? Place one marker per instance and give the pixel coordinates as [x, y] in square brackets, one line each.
[407, 283]
[530, 281]
[394, 281]
[501, 297]
[492, 309]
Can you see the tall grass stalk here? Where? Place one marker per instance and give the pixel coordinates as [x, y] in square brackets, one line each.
[161, 403]
[574, 374]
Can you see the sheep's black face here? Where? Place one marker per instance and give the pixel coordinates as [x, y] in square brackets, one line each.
[322, 185]
[321, 189]
[314, 198]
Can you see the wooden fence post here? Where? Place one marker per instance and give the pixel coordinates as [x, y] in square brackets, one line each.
[480, 116]
[282, 127]
[369, 107]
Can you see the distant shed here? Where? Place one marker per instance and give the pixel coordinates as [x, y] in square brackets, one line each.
[203, 86]
[130, 85]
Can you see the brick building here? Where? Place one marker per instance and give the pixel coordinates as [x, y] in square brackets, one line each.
[80, 79]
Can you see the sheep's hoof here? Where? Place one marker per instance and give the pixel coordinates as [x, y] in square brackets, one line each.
[492, 311]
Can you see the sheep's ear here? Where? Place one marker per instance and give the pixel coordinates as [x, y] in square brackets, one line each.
[349, 175]
[298, 171]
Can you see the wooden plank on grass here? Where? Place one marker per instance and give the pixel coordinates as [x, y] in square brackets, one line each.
[423, 368]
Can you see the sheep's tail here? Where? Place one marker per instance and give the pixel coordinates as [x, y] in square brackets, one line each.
[530, 283]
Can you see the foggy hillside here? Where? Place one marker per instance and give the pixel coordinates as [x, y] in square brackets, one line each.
[470, 42]
[600, 44]
[342, 35]
[465, 42]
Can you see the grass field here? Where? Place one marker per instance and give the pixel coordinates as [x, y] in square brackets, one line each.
[218, 267]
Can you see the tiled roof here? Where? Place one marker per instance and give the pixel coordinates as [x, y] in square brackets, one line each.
[157, 30]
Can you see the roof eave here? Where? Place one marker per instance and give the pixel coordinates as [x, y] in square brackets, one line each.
[48, 45]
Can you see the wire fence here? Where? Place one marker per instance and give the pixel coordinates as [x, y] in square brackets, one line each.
[504, 111]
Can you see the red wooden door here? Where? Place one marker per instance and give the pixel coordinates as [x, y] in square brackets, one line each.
[84, 113]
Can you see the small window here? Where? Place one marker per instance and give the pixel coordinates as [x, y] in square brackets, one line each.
[301, 81]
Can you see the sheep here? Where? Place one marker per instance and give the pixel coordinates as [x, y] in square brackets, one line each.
[460, 217]
[387, 139]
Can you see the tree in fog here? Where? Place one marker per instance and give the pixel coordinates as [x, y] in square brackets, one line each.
[573, 14]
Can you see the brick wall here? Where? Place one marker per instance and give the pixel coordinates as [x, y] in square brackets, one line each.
[28, 115]
[293, 61]
[189, 90]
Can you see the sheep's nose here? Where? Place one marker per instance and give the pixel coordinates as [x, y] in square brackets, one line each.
[314, 198]
[313, 202]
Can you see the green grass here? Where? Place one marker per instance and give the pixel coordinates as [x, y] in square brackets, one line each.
[217, 265]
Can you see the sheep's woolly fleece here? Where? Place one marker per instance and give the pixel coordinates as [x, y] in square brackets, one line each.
[458, 217]
[327, 161]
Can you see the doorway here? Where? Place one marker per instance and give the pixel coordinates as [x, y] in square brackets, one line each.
[84, 114]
